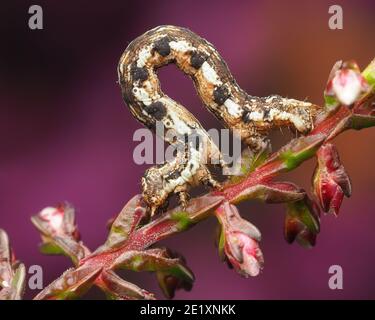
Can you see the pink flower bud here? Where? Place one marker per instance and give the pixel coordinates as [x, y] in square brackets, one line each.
[54, 216]
[346, 84]
[243, 253]
[58, 221]
[330, 180]
[239, 241]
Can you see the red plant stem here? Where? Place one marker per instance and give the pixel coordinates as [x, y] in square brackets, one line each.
[272, 168]
[164, 226]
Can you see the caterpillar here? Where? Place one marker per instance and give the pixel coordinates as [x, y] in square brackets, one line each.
[252, 117]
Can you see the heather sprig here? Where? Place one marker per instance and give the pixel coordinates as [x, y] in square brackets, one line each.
[132, 243]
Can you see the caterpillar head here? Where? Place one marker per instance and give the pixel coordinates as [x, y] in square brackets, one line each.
[152, 189]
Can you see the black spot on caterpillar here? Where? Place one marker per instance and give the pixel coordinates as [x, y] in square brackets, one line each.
[245, 117]
[173, 175]
[197, 59]
[221, 94]
[266, 113]
[251, 116]
[139, 73]
[156, 110]
[162, 46]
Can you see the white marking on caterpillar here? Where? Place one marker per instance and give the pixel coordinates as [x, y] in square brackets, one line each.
[233, 108]
[295, 102]
[210, 74]
[270, 99]
[298, 123]
[142, 95]
[182, 46]
[144, 55]
[276, 114]
[256, 116]
[187, 173]
[179, 125]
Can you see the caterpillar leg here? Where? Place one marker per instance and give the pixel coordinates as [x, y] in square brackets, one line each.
[183, 195]
[177, 176]
[204, 177]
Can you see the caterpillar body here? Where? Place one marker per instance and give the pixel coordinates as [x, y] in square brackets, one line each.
[252, 117]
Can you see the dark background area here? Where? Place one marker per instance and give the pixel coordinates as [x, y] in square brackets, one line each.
[65, 133]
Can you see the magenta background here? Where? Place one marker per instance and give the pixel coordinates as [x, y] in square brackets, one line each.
[65, 133]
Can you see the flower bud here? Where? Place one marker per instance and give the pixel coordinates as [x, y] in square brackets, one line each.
[57, 221]
[302, 222]
[59, 232]
[239, 241]
[330, 180]
[345, 84]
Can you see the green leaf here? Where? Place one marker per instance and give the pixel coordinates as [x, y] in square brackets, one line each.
[302, 211]
[76, 251]
[331, 102]
[194, 210]
[50, 248]
[183, 220]
[359, 121]
[249, 162]
[369, 73]
[292, 159]
[221, 240]
[302, 222]
[298, 150]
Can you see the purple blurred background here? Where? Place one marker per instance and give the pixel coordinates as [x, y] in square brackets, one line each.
[65, 133]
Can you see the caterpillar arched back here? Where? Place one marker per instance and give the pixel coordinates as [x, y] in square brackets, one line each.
[253, 117]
